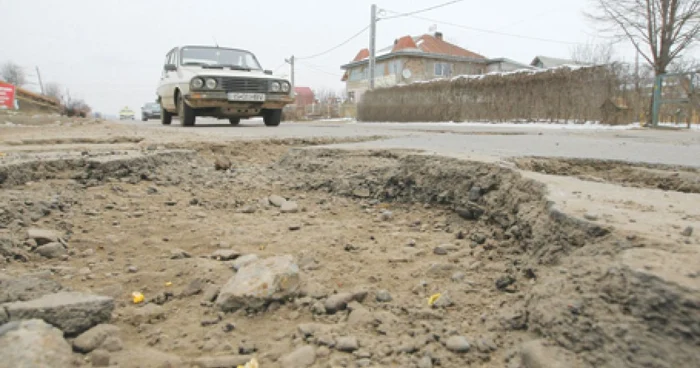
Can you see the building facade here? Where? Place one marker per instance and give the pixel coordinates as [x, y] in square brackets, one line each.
[409, 60]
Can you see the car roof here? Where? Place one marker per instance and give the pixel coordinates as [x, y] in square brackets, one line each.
[213, 47]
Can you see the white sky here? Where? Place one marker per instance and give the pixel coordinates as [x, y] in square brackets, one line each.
[111, 52]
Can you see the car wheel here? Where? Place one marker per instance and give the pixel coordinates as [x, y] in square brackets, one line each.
[234, 121]
[272, 117]
[185, 113]
[166, 117]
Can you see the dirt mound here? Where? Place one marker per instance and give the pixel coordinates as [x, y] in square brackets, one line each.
[404, 260]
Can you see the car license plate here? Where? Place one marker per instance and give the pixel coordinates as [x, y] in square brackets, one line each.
[247, 97]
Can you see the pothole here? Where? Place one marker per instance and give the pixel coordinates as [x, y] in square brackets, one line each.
[404, 260]
[664, 177]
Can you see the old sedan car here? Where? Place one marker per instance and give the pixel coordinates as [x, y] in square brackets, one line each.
[222, 83]
[150, 110]
[126, 114]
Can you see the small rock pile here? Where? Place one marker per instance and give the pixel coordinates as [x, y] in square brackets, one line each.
[38, 319]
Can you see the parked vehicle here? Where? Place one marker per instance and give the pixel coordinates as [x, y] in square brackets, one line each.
[219, 82]
[150, 110]
[126, 114]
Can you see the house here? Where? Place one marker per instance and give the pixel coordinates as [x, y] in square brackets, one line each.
[304, 96]
[546, 62]
[503, 65]
[411, 59]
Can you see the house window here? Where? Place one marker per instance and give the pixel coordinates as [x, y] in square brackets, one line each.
[395, 67]
[358, 74]
[351, 96]
[443, 69]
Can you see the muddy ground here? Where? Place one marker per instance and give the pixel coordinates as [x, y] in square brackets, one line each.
[515, 282]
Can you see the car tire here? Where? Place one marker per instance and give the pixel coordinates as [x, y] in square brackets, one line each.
[185, 113]
[166, 117]
[272, 117]
[234, 121]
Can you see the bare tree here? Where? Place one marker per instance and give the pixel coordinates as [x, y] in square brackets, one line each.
[53, 90]
[13, 74]
[660, 30]
[325, 95]
[685, 65]
[593, 53]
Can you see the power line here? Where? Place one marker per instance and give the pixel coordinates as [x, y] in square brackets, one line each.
[524, 20]
[491, 31]
[422, 10]
[279, 67]
[318, 69]
[358, 34]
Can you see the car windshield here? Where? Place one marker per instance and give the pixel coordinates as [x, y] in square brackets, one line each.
[213, 56]
[152, 106]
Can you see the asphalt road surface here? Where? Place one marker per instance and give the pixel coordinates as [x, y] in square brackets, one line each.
[484, 142]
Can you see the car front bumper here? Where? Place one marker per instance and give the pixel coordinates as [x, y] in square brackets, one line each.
[200, 100]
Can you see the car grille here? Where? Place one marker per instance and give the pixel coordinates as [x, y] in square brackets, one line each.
[244, 85]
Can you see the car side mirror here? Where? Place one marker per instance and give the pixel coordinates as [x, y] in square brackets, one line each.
[170, 67]
[268, 72]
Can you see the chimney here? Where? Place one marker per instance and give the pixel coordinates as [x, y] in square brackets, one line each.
[438, 35]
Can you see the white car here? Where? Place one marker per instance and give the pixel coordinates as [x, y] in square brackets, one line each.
[219, 82]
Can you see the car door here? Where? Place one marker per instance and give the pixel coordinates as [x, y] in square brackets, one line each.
[168, 82]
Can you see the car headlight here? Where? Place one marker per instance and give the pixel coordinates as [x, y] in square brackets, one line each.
[285, 87]
[211, 83]
[275, 87]
[197, 83]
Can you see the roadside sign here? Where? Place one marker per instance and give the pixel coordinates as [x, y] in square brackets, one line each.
[7, 96]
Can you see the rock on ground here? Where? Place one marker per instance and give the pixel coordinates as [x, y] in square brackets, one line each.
[338, 302]
[72, 312]
[242, 261]
[220, 361]
[302, 357]
[383, 296]
[52, 250]
[276, 200]
[260, 283]
[33, 343]
[289, 207]
[94, 337]
[688, 231]
[42, 236]
[457, 344]
[347, 344]
[26, 288]
[225, 254]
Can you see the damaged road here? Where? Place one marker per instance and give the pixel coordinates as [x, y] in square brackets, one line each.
[320, 257]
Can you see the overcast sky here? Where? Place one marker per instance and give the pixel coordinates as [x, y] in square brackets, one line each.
[111, 52]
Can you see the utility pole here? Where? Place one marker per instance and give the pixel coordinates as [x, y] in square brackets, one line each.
[41, 84]
[372, 46]
[290, 61]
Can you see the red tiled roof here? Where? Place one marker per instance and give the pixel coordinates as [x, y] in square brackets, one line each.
[363, 54]
[403, 43]
[428, 44]
[303, 91]
[434, 45]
